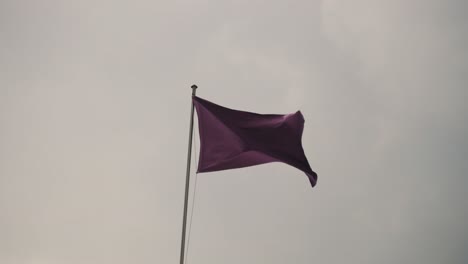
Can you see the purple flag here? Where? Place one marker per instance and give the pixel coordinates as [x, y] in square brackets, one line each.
[232, 139]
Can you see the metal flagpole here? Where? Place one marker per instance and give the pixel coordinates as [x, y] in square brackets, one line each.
[187, 179]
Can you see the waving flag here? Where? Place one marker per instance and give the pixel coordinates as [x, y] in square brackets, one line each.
[234, 139]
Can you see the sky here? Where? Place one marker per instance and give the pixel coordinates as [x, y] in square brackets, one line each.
[94, 121]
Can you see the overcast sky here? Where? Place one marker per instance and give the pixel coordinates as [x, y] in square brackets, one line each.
[94, 119]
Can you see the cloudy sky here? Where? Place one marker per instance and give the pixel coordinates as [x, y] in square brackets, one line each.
[94, 114]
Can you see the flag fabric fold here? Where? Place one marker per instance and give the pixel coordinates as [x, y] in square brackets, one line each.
[232, 139]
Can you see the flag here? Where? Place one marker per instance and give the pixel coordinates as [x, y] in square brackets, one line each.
[232, 139]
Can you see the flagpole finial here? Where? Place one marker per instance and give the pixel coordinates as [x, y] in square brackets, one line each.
[194, 88]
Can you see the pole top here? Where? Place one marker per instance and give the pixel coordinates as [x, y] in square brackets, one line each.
[194, 89]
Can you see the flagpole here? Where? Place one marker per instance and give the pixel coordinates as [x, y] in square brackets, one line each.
[187, 179]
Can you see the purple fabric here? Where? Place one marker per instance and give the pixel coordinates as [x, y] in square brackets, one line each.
[232, 139]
